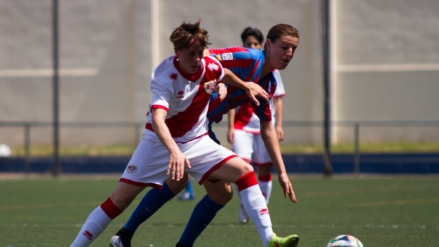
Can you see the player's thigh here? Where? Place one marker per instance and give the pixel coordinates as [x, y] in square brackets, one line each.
[218, 191]
[232, 169]
[243, 144]
[148, 165]
[124, 194]
[205, 157]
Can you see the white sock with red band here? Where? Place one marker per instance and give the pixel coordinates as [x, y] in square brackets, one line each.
[265, 183]
[96, 223]
[255, 206]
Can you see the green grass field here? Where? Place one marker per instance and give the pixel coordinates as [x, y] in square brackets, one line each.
[387, 147]
[380, 211]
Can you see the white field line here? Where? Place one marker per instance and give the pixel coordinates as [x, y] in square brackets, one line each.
[48, 72]
[387, 67]
[366, 226]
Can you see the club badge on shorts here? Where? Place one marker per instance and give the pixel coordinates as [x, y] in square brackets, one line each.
[131, 168]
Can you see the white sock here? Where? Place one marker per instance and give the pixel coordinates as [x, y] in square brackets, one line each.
[266, 189]
[239, 194]
[95, 224]
[256, 208]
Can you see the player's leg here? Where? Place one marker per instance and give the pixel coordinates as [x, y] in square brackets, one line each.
[147, 167]
[153, 200]
[243, 143]
[219, 193]
[216, 162]
[102, 216]
[238, 171]
[261, 160]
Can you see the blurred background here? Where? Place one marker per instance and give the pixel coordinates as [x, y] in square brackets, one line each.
[383, 69]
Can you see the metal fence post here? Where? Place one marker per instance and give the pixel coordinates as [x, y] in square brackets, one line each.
[27, 148]
[357, 147]
[55, 84]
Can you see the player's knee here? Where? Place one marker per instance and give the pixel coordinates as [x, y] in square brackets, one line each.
[124, 194]
[122, 200]
[177, 186]
[221, 196]
[246, 168]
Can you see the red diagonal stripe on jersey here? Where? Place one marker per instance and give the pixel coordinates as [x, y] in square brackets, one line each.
[231, 64]
[243, 115]
[249, 77]
[182, 122]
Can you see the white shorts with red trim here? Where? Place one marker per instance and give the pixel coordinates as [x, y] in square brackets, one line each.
[149, 162]
[250, 147]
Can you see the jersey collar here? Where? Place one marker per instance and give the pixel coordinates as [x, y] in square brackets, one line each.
[190, 77]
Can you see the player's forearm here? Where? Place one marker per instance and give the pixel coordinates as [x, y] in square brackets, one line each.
[278, 107]
[231, 79]
[269, 136]
[162, 131]
[232, 119]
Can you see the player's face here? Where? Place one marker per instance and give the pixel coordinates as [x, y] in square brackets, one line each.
[190, 57]
[282, 51]
[252, 42]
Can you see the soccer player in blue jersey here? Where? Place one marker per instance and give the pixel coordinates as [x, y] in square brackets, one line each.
[244, 127]
[249, 65]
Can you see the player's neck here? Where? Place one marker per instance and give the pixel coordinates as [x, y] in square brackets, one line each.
[266, 68]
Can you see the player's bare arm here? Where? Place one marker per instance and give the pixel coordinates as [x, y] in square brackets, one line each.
[269, 136]
[177, 160]
[252, 89]
[278, 107]
[231, 131]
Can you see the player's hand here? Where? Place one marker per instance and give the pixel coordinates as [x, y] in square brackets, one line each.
[221, 90]
[230, 135]
[177, 161]
[280, 133]
[256, 91]
[287, 187]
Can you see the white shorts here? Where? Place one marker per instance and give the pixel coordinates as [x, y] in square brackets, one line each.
[149, 162]
[250, 147]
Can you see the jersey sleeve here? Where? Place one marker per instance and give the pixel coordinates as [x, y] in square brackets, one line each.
[215, 66]
[161, 93]
[246, 63]
[280, 90]
[263, 111]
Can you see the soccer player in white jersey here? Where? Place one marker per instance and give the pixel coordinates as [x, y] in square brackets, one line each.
[244, 127]
[175, 140]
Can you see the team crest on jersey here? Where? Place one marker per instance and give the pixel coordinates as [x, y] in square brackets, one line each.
[227, 56]
[209, 86]
[173, 76]
[213, 66]
[180, 94]
[131, 168]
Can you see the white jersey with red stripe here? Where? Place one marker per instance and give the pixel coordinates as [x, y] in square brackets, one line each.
[247, 120]
[184, 97]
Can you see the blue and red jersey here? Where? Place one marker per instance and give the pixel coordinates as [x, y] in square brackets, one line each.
[247, 64]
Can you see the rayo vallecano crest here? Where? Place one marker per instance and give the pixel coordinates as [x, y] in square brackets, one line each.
[209, 86]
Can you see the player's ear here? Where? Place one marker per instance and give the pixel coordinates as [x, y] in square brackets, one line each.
[206, 53]
[176, 52]
[267, 45]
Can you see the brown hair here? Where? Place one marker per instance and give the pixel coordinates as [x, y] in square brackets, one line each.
[186, 33]
[281, 30]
